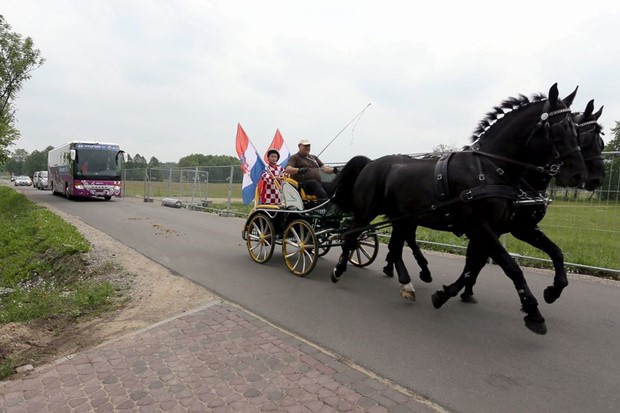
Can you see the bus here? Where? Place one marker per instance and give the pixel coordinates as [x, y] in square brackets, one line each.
[85, 169]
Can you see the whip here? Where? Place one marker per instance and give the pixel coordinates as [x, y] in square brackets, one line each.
[356, 117]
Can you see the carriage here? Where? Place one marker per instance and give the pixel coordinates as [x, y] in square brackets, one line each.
[305, 228]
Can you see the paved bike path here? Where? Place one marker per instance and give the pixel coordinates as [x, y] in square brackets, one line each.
[218, 358]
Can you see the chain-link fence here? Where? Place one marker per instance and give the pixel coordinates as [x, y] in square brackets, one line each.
[592, 219]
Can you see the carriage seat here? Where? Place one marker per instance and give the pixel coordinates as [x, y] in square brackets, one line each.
[293, 196]
[304, 196]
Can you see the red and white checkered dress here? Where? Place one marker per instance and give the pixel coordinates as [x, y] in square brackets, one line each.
[271, 193]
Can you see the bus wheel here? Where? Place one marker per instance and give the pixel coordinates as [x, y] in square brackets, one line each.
[67, 194]
[107, 197]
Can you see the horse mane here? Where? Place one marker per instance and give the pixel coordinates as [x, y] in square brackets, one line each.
[509, 105]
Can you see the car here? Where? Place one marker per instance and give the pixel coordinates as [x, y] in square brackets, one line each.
[39, 180]
[42, 181]
[35, 179]
[22, 180]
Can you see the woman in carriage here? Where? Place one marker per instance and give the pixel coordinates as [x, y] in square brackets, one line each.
[271, 179]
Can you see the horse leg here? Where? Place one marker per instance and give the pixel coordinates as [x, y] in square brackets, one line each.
[395, 257]
[341, 266]
[529, 305]
[396, 243]
[472, 265]
[535, 237]
[350, 242]
[425, 273]
[406, 287]
[388, 270]
[476, 259]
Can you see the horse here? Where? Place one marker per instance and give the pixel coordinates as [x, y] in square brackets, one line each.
[526, 219]
[468, 192]
[531, 208]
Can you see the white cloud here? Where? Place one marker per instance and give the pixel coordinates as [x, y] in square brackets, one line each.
[168, 79]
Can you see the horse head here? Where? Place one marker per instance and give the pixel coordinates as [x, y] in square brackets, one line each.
[561, 139]
[591, 144]
[536, 134]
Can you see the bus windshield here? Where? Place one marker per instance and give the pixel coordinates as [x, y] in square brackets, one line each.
[96, 161]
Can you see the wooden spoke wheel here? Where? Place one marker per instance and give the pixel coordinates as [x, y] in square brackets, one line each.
[260, 238]
[300, 248]
[366, 251]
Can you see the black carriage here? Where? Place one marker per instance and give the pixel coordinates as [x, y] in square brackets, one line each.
[305, 229]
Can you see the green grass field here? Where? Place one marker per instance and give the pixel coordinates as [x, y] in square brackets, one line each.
[163, 189]
[588, 233]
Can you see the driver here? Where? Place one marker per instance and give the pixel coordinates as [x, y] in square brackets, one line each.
[305, 169]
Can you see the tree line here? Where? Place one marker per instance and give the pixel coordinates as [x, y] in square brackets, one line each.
[20, 162]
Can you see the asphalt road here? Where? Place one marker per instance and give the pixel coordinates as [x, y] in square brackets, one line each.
[466, 358]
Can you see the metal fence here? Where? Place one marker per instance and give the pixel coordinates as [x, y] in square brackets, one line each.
[590, 217]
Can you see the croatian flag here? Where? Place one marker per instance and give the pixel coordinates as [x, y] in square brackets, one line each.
[279, 144]
[251, 164]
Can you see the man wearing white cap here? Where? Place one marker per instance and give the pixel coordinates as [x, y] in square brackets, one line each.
[304, 168]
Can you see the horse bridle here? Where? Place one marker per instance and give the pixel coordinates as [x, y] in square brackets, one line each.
[593, 130]
[544, 122]
[552, 169]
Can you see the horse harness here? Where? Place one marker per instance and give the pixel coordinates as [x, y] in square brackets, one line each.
[485, 190]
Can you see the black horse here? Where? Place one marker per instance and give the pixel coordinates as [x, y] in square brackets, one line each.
[530, 210]
[527, 216]
[469, 192]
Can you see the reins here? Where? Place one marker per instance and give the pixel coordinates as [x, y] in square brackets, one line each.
[497, 191]
[552, 170]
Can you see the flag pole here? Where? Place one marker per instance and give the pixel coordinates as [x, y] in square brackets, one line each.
[359, 115]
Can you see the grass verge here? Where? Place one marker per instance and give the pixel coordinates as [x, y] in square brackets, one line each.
[44, 276]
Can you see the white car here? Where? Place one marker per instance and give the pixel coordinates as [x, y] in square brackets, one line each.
[22, 180]
[40, 180]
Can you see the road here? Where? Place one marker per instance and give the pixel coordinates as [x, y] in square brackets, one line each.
[466, 358]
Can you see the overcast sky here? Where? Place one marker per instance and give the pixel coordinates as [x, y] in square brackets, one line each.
[168, 78]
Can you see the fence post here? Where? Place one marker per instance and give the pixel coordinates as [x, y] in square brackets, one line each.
[228, 212]
[169, 194]
[230, 182]
[148, 189]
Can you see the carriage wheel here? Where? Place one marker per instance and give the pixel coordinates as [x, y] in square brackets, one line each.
[300, 248]
[260, 238]
[366, 250]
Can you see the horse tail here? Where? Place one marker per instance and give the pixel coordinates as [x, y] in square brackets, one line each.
[343, 184]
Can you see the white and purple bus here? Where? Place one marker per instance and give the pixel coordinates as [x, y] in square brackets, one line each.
[85, 169]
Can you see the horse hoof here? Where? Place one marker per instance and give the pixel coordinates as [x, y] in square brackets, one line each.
[335, 278]
[439, 298]
[469, 298]
[425, 275]
[551, 294]
[407, 295]
[389, 272]
[535, 324]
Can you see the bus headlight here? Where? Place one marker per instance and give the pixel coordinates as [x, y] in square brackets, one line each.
[78, 186]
